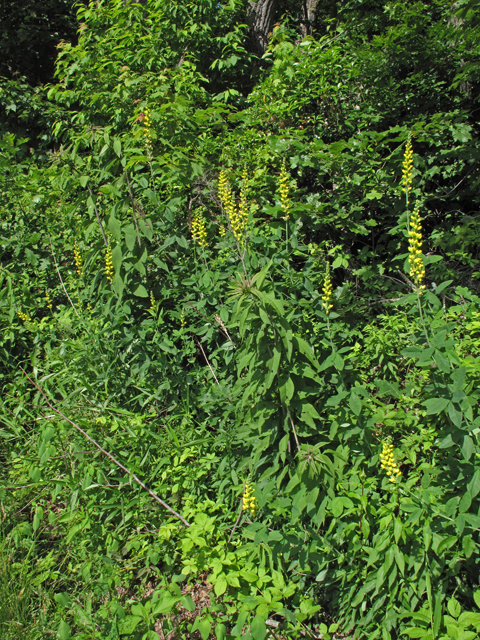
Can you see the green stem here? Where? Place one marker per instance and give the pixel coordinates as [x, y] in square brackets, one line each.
[421, 317]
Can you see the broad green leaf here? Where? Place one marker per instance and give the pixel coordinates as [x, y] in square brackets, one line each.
[115, 228]
[204, 628]
[465, 502]
[454, 608]
[258, 628]
[220, 585]
[220, 631]
[355, 404]
[64, 631]
[435, 406]
[117, 258]
[141, 292]
[468, 447]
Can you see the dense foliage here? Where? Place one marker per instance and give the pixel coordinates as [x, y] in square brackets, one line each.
[240, 326]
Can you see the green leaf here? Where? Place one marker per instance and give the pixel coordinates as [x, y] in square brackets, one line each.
[399, 559]
[418, 632]
[435, 406]
[166, 604]
[188, 603]
[355, 404]
[220, 631]
[146, 229]
[338, 362]
[468, 447]
[117, 147]
[465, 502]
[468, 545]
[115, 228]
[64, 631]
[258, 628]
[220, 585]
[118, 284]
[130, 238]
[455, 415]
[84, 180]
[204, 627]
[117, 258]
[454, 608]
[238, 628]
[141, 292]
[474, 484]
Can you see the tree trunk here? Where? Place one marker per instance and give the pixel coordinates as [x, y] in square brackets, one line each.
[309, 8]
[261, 14]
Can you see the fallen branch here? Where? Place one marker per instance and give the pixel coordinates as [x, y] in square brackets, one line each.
[106, 453]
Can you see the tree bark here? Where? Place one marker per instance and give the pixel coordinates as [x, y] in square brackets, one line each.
[309, 8]
[261, 14]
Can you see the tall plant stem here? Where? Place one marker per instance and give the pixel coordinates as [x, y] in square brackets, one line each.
[130, 193]
[98, 217]
[106, 453]
[206, 360]
[65, 289]
[421, 318]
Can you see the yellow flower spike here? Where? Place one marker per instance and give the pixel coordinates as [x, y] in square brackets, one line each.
[26, 319]
[182, 319]
[147, 132]
[388, 463]
[407, 173]
[109, 271]
[48, 299]
[284, 192]
[243, 205]
[415, 260]
[222, 187]
[222, 231]
[327, 291]
[152, 301]
[78, 260]
[199, 232]
[23, 316]
[249, 502]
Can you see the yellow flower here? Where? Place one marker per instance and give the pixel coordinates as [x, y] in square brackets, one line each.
[78, 260]
[182, 319]
[407, 172]
[29, 323]
[387, 462]
[222, 186]
[327, 291]
[48, 299]
[284, 191]
[415, 258]
[109, 271]
[199, 232]
[249, 502]
[237, 215]
[147, 131]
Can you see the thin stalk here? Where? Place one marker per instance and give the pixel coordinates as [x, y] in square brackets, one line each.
[421, 318]
[206, 360]
[98, 217]
[65, 290]
[106, 453]
[133, 207]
